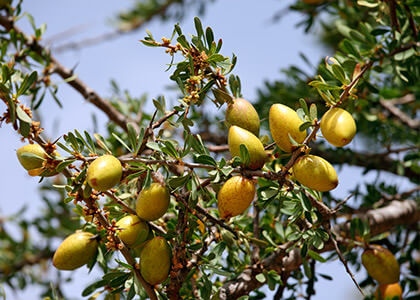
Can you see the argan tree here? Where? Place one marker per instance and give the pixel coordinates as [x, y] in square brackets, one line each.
[179, 203]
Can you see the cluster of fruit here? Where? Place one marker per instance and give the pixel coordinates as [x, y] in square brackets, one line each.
[337, 126]
[234, 197]
[382, 266]
[152, 203]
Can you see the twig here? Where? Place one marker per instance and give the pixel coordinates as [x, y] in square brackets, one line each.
[113, 34]
[348, 89]
[310, 291]
[411, 20]
[342, 259]
[279, 293]
[88, 93]
[255, 256]
[412, 123]
[393, 15]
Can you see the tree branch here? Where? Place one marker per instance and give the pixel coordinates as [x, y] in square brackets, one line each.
[91, 41]
[380, 220]
[87, 92]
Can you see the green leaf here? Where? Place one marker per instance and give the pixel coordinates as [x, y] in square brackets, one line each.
[64, 164]
[22, 115]
[260, 278]
[316, 256]
[305, 126]
[27, 82]
[304, 106]
[198, 27]
[347, 47]
[209, 36]
[313, 112]
[121, 142]
[206, 159]
[404, 55]
[92, 287]
[339, 73]
[244, 154]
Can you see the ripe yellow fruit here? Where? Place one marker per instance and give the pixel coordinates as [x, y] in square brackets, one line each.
[235, 196]
[316, 173]
[133, 231]
[155, 260]
[152, 203]
[75, 251]
[338, 127]
[284, 121]
[381, 264]
[388, 291]
[104, 173]
[238, 136]
[241, 113]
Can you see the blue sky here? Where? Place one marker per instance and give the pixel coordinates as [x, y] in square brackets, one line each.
[244, 26]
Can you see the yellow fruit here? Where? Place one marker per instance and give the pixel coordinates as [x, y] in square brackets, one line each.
[338, 127]
[104, 173]
[388, 291]
[152, 203]
[381, 264]
[30, 163]
[316, 173]
[75, 251]
[238, 136]
[235, 196]
[34, 164]
[241, 113]
[133, 231]
[284, 121]
[155, 260]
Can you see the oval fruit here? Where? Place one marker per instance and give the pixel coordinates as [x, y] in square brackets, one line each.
[104, 173]
[381, 264]
[155, 260]
[284, 121]
[316, 173]
[338, 127]
[132, 231]
[235, 196]
[75, 251]
[152, 203]
[30, 163]
[241, 113]
[238, 136]
[388, 291]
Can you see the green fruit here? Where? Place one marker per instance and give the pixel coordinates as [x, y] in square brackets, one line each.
[28, 161]
[381, 264]
[75, 251]
[155, 260]
[104, 173]
[284, 121]
[388, 291]
[132, 230]
[152, 203]
[235, 196]
[338, 127]
[241, 113]
[316, 173]
[238, 136]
